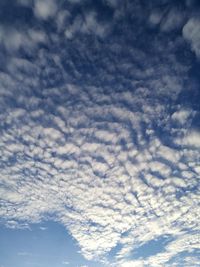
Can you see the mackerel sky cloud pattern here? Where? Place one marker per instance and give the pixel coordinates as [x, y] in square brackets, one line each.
[100, 128]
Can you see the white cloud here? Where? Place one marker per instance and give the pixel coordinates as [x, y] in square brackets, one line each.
[42, 228]
[191, 33]
[192, 138]
[87, 24]
[13, 39]
[113, 3]
[45, 9]
[173, 20]
[24, 2]
[181, 116]
[92, 157]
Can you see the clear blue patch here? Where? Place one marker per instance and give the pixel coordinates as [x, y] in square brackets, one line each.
[181, 258]
[114, 251]
[152, 247]
[46, 245]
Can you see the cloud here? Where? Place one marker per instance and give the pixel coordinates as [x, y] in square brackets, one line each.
[94, 137]
[65, 262]
[87, 24]
[174, 20]
[45, 9]
[155, 17]
[43, 228]
[24, 2]
[191, 139]
[181, 116]
[113, 3]
[95, 170]
[24, 254]
[14, 39]
[191, 33]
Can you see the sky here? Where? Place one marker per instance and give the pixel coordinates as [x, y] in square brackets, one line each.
[99, 133]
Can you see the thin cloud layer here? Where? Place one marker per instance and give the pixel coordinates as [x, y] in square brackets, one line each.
[97, 135]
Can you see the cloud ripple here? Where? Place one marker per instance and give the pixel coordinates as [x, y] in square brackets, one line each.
[106, 148]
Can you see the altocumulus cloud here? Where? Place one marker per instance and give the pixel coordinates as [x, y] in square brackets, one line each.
[96, 128]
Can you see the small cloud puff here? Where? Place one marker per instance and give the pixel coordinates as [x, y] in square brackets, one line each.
[192, 139]
[173, 20]
[191, 33]
[13, 39]
[181, 116]
[45, 9]
[65, 263]
[86, 25]
[42, 228]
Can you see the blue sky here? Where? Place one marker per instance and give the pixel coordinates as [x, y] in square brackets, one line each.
[44, 244]
[99, 133]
